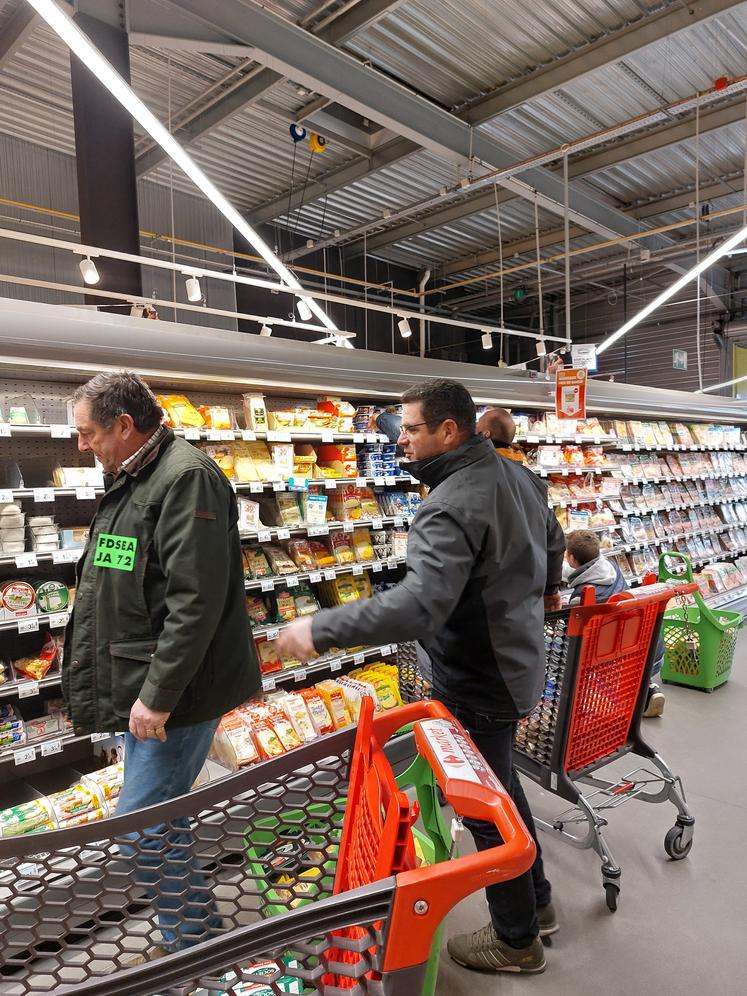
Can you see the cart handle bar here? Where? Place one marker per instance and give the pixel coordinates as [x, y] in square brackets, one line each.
[425, 895]
[625, 601]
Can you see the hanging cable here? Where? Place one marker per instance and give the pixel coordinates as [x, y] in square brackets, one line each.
[303, 194]
[539, 266]
[171, 199]
[500, 248]
[697, 239]
[291, 187]
[567, 235]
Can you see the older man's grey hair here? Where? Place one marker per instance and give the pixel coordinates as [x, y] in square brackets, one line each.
[121, 393]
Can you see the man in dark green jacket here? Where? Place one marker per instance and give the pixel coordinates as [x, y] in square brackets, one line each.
[159, 642]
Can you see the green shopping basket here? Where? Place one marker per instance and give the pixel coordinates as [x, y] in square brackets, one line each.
[699, 642]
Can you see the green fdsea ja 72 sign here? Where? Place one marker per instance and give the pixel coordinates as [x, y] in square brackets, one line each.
[115, 552]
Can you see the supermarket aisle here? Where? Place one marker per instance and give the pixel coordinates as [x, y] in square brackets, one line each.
[680, 925]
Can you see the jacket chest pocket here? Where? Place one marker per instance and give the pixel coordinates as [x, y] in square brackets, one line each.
[130, 661]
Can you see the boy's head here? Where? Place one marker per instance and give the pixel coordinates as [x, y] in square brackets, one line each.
[581, 547]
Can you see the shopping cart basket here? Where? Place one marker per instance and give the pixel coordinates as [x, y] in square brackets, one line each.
[598, 662]
[73, 905]
[699, 642]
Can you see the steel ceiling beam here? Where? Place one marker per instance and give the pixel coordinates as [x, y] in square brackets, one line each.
[603, 52]
[16, 32]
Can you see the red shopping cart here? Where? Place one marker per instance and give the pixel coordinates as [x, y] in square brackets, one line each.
[310, 860]
[598, 665]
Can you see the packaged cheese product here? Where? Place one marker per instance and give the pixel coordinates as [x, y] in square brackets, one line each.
[255, 413]
[295, 708]
[268, 741]
[223, 456]
[279, 560]
[256, 565]
[342, 548]
[285, 730]
[318, 711]
[301, 554]
[216, 416]
[362, 545]
[334, 699]
[28, 817]
[180, 411]
[321, 554]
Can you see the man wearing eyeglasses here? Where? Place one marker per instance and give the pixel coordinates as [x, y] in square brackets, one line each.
[473, 597]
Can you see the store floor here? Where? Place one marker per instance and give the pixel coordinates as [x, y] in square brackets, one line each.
[680, 926]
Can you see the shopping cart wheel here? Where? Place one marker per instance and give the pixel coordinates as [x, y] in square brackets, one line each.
[676, 848]
[611, 892]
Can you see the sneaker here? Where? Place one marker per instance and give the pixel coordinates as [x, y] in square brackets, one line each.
[484, 951]
[654, 702]
[548, 921]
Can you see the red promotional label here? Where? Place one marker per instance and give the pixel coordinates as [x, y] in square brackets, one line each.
[570, 393]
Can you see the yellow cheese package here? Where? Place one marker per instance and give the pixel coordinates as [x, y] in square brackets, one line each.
[280, 562]
[223, 456]
[289, 514]
[333, 698]
[180, 412]
[285, 730]
[262, 460]
[362, 585]
[318, 711]
[342, 548]
[304, 460]
[362, 545]
[295, 709]
[269, 743]
[216, 416]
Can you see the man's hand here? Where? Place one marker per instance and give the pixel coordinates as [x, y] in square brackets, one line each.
[553, 603]
[295, 640]
[146, 723]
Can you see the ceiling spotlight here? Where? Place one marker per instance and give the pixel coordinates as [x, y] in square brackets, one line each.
[404, 328]
[266, 330]
[304, 311]
[137, 310]
[487, 339]
[194, 292]
[541, 347]
[88, 271]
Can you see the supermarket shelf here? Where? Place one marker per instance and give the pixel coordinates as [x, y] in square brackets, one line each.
[644, 544]
[326, 483]
[728, 598]
[569, 471]
[28, 752]
[323, 574]
[55, 620]
[63, 431]
[593, 440]
[22, 561]
[15, 689]
[684, 447]
[44, 496]
[708, 503]
[724, 555]
[669, 479]
[284, 532]
[335, 662]
[573, 502]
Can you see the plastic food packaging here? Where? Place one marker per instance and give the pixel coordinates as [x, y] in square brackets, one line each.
[18, 599]
[334, 699]
[280, 562]
[321, 554]
[286, 606]
[216, 416]
[257, 611]
[362, 545]
[318, 711]
[180, 412]
[342, 548]
[52, 596]
[302, 554]
[256, 565]
[223, 456]
[255, 413]
[107, 782]
[75, 802]
[28, 817]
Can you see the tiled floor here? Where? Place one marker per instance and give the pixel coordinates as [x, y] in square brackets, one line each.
[681, 926]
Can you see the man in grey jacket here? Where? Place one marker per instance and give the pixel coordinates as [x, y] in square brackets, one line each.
[473, 597]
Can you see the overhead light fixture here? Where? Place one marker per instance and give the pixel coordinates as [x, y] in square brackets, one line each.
[88, 271]
[194, 291]
[487, 339]
[713, 257]
[266, 330]
[717, 387]
[137, 310]
[541, 347]
[87, 52]
[304, 311]
[404, 328]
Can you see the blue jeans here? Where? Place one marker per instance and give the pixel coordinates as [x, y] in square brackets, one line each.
[156, 772]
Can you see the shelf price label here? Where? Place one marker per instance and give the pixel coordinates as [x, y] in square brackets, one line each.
[377, 567]
[361, 482]
[392, 563]
[380, 482]
[85, 494]
[98, 737]
[292, 581]
[248, 435]
[6, 496]
[192, 433]
[276, 436]
[264, 536]
[299, 675]
[377, 523]
[4, 430]
[214, 434]
[358, 437]
[58, 620]
[28, 625]
[268, 584]
[372, 437]
[268, 684]
[51, 747]
[273, 634]
[28, 689]
[330, 574]
[357, 569]
[43, 494]
[256, 487]
[284, 533]
[315, 577]
[330, 484]
[60, 431]
[318, 530]
[347, 527]
[328, 436]
[335, 665]
[359, 659]
[390, 481]
[24, 755]
[26, 560]
[398, 522]
[278, 486]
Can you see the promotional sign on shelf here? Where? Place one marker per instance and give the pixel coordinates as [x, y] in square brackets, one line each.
[584, 356]
[570, 393]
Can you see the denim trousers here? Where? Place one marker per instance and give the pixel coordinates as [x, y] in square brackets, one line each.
[513, 905]
[166, 866]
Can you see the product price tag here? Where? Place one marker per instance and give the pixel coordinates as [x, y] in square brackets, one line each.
[380, 482]
[330, 484]
[299, 675]
[273, 634]
[256, 487]
[26, 560]
[377, 567]
[315, 577]
[28, 625]
[276, 436]
[284, 533]
[43, 494]
[359, 659]
[278, 486]
[390, 481]
[268, 584]
[399, 522]
[377, 523]
[372, 437]
[51, 747]
[358, 437]
[24, 755]
[193, 434]
[6, 497]
[268, 684]
[347, 527]
[385, 649]
[335, 666]
[533, 439]
[58, 620]
[248, 435]
[4, 430]
[318, 530]
[85, 494]
[330, 574]
[227, 435]
[98, 737]
[393, 648]
[328, 436]
[392, 563]
[214, 435]
[264, 536]
[292, 581]
[299, 483]
[60, 431]
[28, 688]
[357, 569]
[361, 482]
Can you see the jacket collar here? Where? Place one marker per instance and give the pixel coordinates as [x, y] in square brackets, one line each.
[434, 470]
